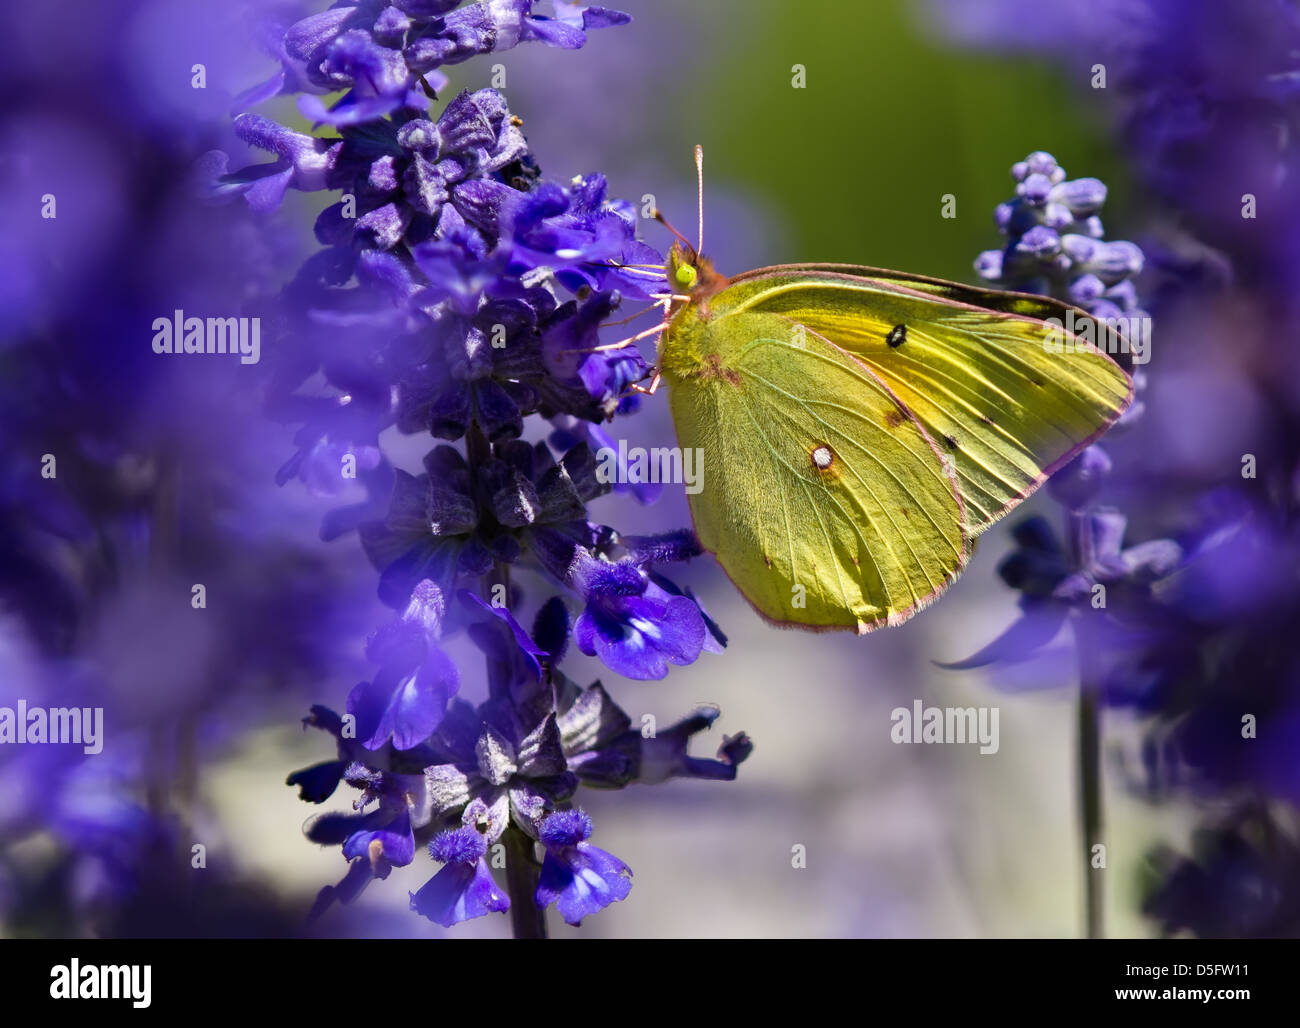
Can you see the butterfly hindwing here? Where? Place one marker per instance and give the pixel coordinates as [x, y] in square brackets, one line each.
[825, 500]
[970, 364]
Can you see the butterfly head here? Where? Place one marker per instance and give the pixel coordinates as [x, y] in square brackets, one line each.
[690, 274]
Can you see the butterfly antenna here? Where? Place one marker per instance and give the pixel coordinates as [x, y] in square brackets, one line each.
[699, 179]
[658, 216]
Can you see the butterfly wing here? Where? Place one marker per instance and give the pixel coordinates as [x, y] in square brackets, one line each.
[970, 364]
[824, 499]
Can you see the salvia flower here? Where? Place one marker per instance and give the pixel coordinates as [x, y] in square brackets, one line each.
[374, 840]
[579, 878]
[636, 627]
[464, 888]
[408, 695]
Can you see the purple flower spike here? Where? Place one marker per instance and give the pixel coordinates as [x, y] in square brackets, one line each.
[458, 294]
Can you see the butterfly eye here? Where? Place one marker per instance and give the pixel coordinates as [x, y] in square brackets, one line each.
[686, 275]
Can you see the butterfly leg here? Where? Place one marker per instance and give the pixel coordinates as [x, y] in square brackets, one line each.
[662, 299]
[655, 379]
[621, 343]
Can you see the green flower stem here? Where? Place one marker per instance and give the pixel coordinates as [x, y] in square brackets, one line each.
[527, 919]
[1089, 741]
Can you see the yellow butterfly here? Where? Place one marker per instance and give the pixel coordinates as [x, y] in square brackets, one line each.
[860, 427]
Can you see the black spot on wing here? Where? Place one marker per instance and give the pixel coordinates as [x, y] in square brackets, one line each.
[897, 336]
